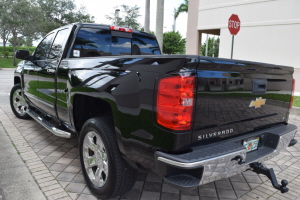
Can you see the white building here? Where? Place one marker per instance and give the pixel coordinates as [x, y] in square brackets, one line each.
[270, 30]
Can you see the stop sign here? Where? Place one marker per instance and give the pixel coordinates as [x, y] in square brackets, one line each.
[234, 24]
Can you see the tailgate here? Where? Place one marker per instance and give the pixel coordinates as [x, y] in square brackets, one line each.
[238, 97]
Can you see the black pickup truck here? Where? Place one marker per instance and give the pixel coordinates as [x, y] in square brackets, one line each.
[190, 119]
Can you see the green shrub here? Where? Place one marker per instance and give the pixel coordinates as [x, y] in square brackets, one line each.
[5, 54]
[11, 49]
[8, 49]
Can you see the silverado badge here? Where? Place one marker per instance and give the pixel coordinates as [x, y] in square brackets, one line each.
[258, 102]
[215, 134]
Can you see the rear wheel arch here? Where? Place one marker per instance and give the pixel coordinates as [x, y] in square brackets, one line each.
[87, 107]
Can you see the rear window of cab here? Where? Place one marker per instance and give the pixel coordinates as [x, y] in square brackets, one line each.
[92, 42]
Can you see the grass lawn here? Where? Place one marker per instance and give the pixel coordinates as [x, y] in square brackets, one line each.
[7, 62]
[296, 101]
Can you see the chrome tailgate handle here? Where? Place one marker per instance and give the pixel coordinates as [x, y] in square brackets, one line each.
[259, 86]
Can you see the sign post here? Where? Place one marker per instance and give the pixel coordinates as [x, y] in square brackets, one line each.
[234, 25]
[232, 41]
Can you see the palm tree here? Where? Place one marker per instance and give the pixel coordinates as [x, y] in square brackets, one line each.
[147, 16]
[159, 22]
[182, 8]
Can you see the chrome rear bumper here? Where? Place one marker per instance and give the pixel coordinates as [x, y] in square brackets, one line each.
[223, 164]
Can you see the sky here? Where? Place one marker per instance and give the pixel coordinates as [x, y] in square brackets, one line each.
[99, 9]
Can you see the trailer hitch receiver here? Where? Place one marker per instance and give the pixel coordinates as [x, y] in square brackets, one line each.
[269, 172]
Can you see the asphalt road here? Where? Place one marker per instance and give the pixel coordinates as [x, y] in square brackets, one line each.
[6, 83]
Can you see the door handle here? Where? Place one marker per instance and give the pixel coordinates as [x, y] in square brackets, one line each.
[50, 70]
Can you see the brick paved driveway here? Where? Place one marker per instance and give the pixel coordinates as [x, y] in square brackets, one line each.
[54, 164]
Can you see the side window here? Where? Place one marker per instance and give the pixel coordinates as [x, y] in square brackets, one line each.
[56, 48]
[42, 50]
[91, 42]
[146, 44]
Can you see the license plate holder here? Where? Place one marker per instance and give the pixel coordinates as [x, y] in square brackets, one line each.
[251, 144]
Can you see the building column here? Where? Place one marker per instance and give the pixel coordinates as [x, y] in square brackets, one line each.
[192, 35]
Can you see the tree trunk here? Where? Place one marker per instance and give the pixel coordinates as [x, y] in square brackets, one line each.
[147, 16]
[15, 47]
[174, 25]
[4, 44]
[160, 22]
[4, 35]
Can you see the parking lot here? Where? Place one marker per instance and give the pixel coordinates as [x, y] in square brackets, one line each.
[54, 164]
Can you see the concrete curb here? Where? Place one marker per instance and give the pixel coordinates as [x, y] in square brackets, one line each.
[16, 182]
[40, 173]
[9, 69]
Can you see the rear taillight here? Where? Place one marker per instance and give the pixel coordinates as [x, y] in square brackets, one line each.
[175, 102]
[293, 90]
[122, 29]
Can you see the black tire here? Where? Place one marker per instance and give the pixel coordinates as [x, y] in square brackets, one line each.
[18, 103]
[120, 176]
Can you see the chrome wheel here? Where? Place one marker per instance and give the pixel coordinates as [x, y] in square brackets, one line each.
[95, 159]
[19, 102]
[104, 169]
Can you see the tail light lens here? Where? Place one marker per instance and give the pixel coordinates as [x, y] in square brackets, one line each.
[293, 90]
[175, 102]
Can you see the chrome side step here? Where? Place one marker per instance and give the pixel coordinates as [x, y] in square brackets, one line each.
[48, 125]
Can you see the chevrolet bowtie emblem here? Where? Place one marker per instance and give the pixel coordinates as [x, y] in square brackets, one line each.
[257, 103]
